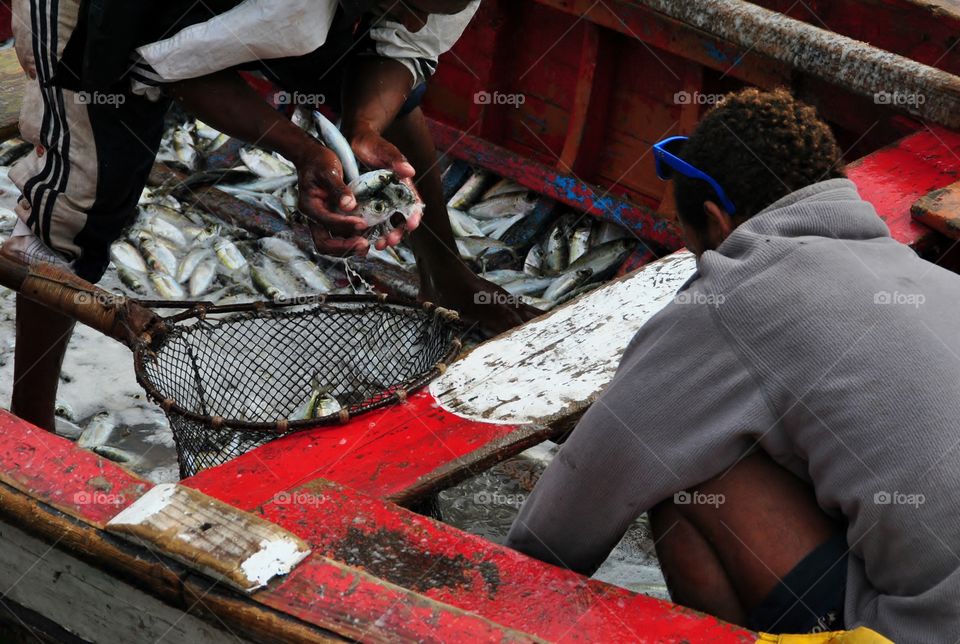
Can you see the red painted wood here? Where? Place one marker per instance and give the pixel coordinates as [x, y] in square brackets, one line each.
[383, 453]
[894, 177]
[583, 92]
[368, 610]
[58, 473]
[472, 574]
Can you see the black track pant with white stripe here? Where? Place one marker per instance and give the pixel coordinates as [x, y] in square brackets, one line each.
[93, 151]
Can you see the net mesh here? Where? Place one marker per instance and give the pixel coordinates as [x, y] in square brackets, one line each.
[232, 383]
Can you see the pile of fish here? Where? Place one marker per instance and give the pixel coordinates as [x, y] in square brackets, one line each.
[525, 244]
[177, 251]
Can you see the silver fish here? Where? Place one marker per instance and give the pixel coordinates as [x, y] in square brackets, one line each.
[158, 256]
[381, 195]
[265, 165]
[335, 140]
[203, 276]
[476, 247]
[580, 242]
[184, 148]
[604, 258]
[577, 292]
[470, 191]
[117, 455]
[166, 286]
[190, 262]
[312, 276]
[495, 228]
[63, 409]
[200, 234]
[463, 224]
[405, 254]
[501, 188]
[503, 276]
[263, 283]
[566, 283]
[320, 403]
[387, 255]
[515, 204]
[206, 132]
[270, 184]
[533, 263]
[8, 220]
[556, 250]
[124, 254]
[538, 302]
[290, 198]
[279, 249]
[169, 214]
[608, 232]
[131, 280]
[230, 256]
[97, 430]
[528, 285]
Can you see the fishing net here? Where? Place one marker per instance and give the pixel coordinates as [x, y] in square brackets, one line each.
[233, 378]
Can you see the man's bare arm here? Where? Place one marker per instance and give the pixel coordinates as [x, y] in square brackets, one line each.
[227, 103]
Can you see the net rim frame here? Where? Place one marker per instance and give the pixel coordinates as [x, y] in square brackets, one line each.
[200, 310]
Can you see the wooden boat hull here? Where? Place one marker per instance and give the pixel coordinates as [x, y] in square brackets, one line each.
[599, 82]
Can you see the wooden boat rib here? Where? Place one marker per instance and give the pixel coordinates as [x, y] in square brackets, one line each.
[599, 81]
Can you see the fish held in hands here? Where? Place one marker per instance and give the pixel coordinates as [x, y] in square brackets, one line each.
[384, 202]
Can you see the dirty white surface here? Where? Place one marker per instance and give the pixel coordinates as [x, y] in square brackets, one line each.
[554, 365]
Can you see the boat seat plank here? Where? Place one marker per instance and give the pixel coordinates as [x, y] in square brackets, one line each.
[940, 209]
[398, 453]
[894, 177]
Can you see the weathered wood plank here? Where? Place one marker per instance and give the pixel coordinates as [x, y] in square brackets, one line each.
[940, 210]
[894, 177]
[470, 573]
[203, 533]
[321, 600]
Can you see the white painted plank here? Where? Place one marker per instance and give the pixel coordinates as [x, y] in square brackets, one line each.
[219, 540]
[558, 364]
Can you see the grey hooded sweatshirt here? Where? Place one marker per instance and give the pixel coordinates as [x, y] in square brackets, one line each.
[813, 334]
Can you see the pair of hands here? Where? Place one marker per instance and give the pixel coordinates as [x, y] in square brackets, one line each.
[327, 202]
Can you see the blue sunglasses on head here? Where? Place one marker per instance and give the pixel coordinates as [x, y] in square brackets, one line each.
[667, 162]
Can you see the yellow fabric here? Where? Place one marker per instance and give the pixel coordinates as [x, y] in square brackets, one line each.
[860, 635]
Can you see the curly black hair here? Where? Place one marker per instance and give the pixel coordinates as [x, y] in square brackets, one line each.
[759, 146]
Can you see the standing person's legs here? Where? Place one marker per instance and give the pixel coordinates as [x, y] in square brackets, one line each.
[79, 187]
[758, 534]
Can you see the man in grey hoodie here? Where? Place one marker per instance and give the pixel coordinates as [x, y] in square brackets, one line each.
[792, 420]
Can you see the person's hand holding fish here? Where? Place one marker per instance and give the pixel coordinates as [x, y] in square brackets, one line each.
[348, 211]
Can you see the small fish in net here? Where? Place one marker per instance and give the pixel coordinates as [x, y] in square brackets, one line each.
[230, 383]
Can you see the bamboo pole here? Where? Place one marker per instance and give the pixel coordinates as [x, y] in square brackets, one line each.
[897, 81]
